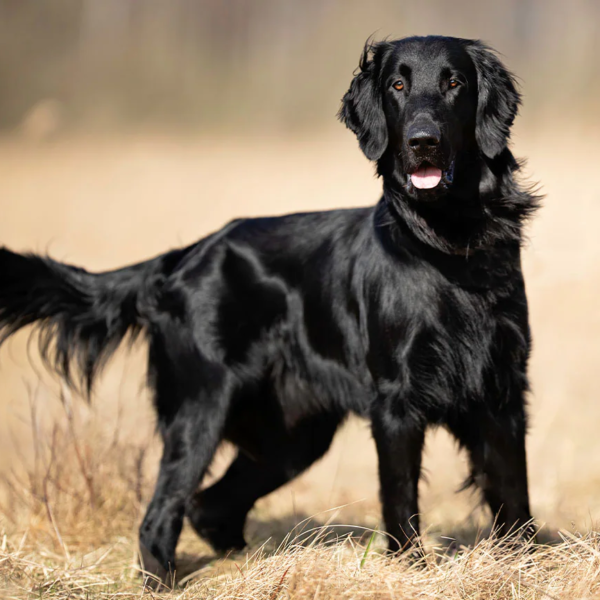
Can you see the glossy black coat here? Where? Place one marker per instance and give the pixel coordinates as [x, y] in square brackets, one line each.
[271, 331]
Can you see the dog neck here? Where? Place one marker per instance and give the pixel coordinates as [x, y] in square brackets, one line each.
[465, 220]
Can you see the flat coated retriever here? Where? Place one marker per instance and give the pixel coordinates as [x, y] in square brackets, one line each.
[271, 331]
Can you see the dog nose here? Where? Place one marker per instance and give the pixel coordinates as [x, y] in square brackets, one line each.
[423, 137]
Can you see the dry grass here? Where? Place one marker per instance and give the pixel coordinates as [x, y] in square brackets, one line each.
[74, 479]
[65, 513]
[570, 570]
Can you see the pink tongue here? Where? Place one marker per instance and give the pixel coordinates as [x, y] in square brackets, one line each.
[426, 177]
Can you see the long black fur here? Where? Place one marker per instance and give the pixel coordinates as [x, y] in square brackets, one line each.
[268, 333]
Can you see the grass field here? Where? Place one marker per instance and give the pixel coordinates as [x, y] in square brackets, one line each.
[74, 478]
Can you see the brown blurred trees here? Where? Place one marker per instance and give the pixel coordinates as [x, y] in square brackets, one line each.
[255, 63]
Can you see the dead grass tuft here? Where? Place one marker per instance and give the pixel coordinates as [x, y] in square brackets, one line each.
[72, 494]
[570, 569]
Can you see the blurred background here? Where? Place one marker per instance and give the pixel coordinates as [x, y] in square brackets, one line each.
[277, 66]
[130, 127]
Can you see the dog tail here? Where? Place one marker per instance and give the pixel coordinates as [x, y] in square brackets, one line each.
[82, 317]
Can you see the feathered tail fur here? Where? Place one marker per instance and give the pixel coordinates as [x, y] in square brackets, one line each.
[82, 317]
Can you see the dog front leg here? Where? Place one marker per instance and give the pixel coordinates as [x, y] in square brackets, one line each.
[399, 442]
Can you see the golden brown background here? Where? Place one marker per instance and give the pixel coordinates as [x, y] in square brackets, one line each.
[132, 127]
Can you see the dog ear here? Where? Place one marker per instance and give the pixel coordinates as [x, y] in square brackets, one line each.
[498, 99]
[362, 109]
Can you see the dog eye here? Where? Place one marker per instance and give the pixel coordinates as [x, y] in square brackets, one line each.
[453, 83]
[398, 85]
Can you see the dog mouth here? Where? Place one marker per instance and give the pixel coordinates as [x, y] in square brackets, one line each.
[428, 176]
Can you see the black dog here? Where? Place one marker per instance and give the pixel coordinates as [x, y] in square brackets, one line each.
[269, 332]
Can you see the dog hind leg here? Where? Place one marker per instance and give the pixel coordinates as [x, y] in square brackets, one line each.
[192, 396]
[218, 513]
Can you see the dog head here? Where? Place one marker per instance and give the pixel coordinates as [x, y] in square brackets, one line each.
[426, 107]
